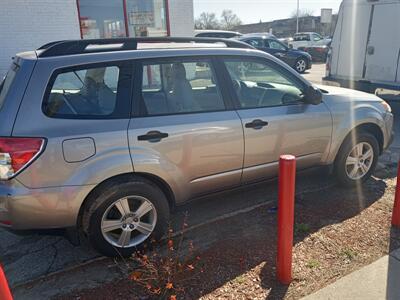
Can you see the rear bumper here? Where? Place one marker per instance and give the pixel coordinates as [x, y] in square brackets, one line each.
[309, 64]
[22, 208]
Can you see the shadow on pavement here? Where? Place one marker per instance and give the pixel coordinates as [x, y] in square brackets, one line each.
[248, 243]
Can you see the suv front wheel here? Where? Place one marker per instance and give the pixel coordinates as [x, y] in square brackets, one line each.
[357, 158]
[125, 216]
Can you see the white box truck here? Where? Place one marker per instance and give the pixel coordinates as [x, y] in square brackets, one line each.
[365, 49]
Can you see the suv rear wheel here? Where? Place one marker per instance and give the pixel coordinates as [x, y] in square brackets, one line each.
[357, 159]
[126, 216]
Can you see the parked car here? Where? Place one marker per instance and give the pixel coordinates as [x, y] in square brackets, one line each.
[365, 50]
[217, 34]
[299, 60]
[318, 53]
[308, 39]
[109, 135]
[286, 41]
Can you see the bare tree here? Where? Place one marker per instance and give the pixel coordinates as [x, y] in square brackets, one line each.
[302, 13]
[207, 20]
[229, 20]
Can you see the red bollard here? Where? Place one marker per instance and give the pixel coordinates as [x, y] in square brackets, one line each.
[287, 183]
[5, 293]
[396, 207]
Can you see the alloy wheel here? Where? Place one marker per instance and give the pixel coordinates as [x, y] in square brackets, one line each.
[359, 161]
[129, 221]
[301, 65]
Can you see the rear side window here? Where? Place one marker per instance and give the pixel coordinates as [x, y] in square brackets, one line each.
[6, 83]
[301, 37]
[180, 87]
[99, 92]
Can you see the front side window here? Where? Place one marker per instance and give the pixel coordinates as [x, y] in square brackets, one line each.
[180, 87]
[276, 45]
[317, 37]
[102, 19]
[257, 43]
[259, 84]
[87, 93]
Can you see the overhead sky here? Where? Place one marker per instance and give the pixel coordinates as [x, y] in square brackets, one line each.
[252, 11]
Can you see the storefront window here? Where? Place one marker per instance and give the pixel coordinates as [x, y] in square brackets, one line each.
[102, 18]
[146, 17]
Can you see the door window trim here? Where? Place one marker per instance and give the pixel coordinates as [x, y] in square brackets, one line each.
[233, 94]
[138, 106]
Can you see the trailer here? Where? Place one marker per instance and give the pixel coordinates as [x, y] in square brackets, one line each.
[365, 49]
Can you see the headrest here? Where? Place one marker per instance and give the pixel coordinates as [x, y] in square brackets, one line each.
[179, 71]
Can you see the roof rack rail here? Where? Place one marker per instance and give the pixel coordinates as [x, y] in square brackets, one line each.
[72, 47]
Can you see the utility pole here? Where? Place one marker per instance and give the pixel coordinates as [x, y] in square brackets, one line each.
[298, 12]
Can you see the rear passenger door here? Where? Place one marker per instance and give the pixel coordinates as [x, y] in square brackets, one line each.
[183, 130]
[275, 118]
[84, 115]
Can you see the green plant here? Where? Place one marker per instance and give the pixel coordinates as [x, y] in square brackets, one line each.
[302, 228]
[312, 264]
[350, 254]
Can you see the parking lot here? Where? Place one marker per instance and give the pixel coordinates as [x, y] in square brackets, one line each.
[34, 255]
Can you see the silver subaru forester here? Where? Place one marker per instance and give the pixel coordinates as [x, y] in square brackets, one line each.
[109, 135]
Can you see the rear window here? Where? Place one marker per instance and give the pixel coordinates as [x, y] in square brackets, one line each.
[95, 92]
[6, 83]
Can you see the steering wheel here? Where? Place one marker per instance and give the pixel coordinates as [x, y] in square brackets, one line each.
[237, 85]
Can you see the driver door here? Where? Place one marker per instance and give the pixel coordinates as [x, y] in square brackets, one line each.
[279, 50]
[275, 119]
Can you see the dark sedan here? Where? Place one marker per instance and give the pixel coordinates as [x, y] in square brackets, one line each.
[299, 60]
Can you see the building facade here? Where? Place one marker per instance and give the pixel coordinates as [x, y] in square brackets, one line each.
[287, 27]
[28, 24]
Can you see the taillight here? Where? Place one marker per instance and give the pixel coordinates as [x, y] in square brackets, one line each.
[17, 153]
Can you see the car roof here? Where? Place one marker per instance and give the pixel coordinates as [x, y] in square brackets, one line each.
[309, 32]
[258, 35]
[90, 46]
[216, 31]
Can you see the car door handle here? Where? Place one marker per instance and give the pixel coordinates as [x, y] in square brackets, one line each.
[257, 124]
[153, 136]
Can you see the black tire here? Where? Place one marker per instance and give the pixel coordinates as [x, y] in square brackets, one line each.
[347, 146]
[106, 195]
[299, 60]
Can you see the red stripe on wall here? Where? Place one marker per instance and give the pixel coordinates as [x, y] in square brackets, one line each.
[79, 18]
[126, 19]
[167, 17]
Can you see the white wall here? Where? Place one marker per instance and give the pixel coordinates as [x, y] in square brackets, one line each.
[28, 24]
[181, 17]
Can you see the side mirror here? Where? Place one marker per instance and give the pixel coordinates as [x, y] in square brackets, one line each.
[290, 46]
[313, 96]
